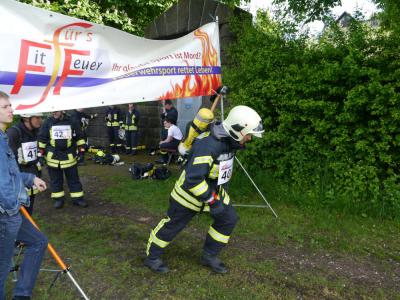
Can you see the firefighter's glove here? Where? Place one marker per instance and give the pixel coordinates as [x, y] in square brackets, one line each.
[216, 205]
[41, 155]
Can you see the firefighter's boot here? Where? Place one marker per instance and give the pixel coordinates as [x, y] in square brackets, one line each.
[214, 263]
[59, 203]
[156, 265]
[80, 202]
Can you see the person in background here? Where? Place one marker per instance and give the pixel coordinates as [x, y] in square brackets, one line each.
[114, 122]
[202, 187]
[171, 142]
[170, 112]
[132, 117]
[22, 139]
[13, 225]
[82, 118]
[60, 141]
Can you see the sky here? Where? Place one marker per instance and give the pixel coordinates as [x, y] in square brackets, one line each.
[365, 6]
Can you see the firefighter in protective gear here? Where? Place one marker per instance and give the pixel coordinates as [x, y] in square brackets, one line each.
[22, 139]
[59, 139]
[131, 129]
[79, 116]
[202, 187]
[114, 122]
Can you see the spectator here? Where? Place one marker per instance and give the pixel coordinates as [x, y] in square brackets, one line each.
[170, 112]
[13, 225]
[171, 142]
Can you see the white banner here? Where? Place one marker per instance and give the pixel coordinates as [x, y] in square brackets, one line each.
[54, 62]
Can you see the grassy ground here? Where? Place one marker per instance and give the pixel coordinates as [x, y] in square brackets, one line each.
[303, 254]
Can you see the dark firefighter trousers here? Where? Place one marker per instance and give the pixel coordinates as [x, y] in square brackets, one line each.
[113, 138]
[178, 217]
[57, 182]
[131, 140]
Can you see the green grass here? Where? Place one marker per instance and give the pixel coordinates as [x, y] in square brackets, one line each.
[268, 258]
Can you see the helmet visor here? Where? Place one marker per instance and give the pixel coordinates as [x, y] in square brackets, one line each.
[258, 131]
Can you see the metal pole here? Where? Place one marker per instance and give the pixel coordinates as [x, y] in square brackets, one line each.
[258, 190]
[55, 255]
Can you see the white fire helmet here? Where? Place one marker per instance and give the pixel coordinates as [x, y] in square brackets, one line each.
[31, 115]
[243, 120]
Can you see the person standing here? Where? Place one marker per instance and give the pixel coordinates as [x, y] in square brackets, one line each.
[131, 128]
[13, 225]
[170, 112]
[114, 123]
[60, 141]
[202, 187]
[22, 139]
[82, 118]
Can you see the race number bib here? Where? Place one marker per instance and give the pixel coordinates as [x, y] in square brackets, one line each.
[225, 171]
[29, 151]
[61, 132]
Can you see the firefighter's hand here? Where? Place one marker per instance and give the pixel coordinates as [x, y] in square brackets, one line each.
[40, 184]
[216, 205]
[41, 155]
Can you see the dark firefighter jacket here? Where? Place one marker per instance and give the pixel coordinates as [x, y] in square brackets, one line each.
[81, 117]
[60, 139]
[171, 114]
[23, 143]
[113, 117]
[200, 176]
[131, 120]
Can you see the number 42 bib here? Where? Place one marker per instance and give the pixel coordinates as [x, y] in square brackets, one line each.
[61, 132]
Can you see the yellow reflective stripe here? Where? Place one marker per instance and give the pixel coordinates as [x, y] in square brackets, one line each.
[80, 142]
[157, 241]
[32, 191]
[114, 124]
[183, 201]
[187, 196]
[199, 189]
[42, 145]
[225, 195]
[154, 239]
[203, 160]
[219, 237]
[214, 171]
[76, 194]
[57, 195]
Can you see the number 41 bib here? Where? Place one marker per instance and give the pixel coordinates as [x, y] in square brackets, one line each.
[225, 171]
[29, 151]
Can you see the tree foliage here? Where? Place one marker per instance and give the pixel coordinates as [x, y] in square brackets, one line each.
[331, 109]
[130, 16]
[305, 10]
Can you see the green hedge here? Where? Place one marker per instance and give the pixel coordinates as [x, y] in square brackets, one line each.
[330, 107]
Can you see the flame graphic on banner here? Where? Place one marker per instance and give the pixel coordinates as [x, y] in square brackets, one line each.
[203, 84]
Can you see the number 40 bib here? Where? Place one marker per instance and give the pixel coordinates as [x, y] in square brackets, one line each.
[225, 171]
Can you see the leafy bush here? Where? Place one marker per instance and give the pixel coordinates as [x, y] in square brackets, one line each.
[330, 107]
